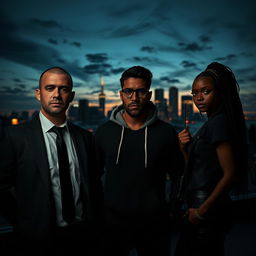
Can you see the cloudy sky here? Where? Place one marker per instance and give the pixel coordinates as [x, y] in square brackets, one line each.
[175, 39]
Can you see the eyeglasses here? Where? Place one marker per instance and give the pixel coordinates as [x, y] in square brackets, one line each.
[141, 92]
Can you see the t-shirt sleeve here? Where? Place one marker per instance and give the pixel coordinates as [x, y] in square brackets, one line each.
[218, 129]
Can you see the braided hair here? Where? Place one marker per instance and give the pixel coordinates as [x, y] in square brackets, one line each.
[228, 88]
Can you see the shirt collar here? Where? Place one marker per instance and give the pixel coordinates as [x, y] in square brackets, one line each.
[47, 124]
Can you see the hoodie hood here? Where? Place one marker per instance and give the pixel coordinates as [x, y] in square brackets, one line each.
[117, 118]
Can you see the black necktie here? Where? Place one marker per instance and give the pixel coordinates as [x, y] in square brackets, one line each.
[67, 198]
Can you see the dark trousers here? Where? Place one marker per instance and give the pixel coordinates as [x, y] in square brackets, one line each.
[7, 244]
[148, 235]
[203, 239]
[208, 237]
[71, 240]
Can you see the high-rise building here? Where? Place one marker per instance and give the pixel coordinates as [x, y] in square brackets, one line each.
[25, 115]
[83, 110]
[102, 98]
[159, 95]
[161, 104]
[73, 112]
[187, 106]
[173, 103]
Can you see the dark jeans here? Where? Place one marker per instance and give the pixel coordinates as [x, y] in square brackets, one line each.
[201, 240]
[207, 237]
[148, 234]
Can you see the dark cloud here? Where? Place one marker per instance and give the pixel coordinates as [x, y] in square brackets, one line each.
[173, 32]
[188, 64]
[249, 102]
[130, 30]
[60, 60]
[193, 47]
[97, 57]
[16, 48]
[74, 43]
[246, 76]
[150, 61]
[252, 78]
[52, 41]
[168, 48]
[205, 38]
[246, 70]
[45, 23]
[186, 88]
[22, 86]
[78, 84]
[247, 54]
[226, 58]
[103, 69]
[16, 80]
[169, 80]
[8, 90]
[148, 49]
[117, 70]
[17, 101]
[32, 79]
[77, 44]
[120, 11]
[186, 47]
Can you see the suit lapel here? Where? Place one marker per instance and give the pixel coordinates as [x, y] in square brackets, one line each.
[82, 156]
[39, 154]
[81, 152]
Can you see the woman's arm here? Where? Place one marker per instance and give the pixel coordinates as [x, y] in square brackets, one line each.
[184, 140]
[227, 163]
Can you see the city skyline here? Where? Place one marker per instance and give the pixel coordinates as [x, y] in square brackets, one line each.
[90, 39]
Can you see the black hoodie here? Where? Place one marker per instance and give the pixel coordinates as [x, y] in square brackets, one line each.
[136, 162]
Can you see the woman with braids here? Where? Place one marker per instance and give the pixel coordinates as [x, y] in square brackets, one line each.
[216, 159]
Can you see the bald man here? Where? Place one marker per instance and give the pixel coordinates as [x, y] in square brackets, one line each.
[47, 171]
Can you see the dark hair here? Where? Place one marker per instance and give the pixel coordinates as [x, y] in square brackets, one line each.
[228, 88]
[56, 70]
[137, 72]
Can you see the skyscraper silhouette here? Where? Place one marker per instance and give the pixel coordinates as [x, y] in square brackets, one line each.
[173, 103]
[102, 98]
[187, 105]
[161, 104]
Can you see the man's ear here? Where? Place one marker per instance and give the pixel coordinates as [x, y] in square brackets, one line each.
[149, 95]
[72, 96]
[121, 95]
[38, 96]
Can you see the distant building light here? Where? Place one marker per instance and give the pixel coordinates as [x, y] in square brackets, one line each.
[15, 121]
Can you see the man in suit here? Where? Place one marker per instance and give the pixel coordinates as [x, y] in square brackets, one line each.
[54, 210]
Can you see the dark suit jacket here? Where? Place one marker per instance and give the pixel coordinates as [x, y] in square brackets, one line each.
[24, 169]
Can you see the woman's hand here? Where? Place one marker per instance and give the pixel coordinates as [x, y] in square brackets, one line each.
[184, 139]
[194, 216]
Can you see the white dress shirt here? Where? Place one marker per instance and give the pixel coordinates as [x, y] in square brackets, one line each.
[50, 142]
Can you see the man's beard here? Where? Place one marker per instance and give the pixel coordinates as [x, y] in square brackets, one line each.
[55, 112]
[135, 113]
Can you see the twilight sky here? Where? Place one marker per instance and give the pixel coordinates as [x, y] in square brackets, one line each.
[175, 39]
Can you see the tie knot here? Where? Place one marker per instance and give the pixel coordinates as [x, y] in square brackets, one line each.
[58, 130]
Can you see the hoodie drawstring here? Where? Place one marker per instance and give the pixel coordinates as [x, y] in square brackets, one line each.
[145, 146]
[120, 144]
